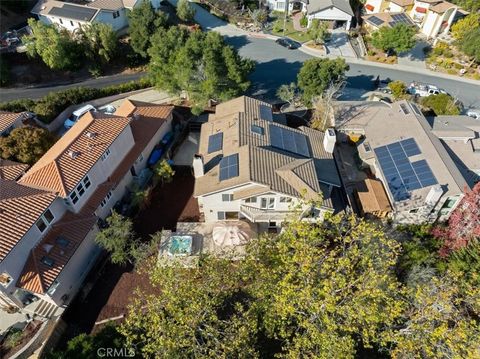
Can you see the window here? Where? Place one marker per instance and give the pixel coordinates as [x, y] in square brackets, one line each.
[105, 154]
[272, 224]
[251, 200]
[280, 5]
[116, 14]
[285, 200]
[231, 215]
[221, 215]
[60, 21]
[257, 129]
[71, 23]
[47, 261]
[105, 200]
[86, 182]
[73, 197]
[80, 190]
[44, 220]
[227, 197]
[267, 203]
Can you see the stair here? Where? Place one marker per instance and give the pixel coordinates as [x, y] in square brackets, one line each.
[44, 309]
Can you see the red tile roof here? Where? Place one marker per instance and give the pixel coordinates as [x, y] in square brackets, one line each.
[10, 170]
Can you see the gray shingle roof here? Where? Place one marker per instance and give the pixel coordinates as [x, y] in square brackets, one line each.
[319, 5]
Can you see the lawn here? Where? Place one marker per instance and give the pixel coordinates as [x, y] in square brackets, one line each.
[277, 29]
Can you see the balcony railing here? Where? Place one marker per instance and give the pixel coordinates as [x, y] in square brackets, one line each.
[264, 215]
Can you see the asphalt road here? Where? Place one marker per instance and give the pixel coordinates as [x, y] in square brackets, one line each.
[277, 65]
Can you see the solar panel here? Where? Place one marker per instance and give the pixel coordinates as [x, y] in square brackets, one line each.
[288, 140]
[73, 12]
[375, 20]
[403, 176]
[400, 18]
[228, 167]
[259, 130]
[405, 109]
[215, 142]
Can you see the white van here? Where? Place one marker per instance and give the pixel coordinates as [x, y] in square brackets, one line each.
[69, 122]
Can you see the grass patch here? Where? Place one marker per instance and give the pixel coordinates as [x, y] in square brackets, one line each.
[277, 29]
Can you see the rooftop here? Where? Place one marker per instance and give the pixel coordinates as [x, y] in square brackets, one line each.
[273, 156]
[20, 207]
[388, 19]
[10, 170]
[7, 119]
[37, 276]
[314, 6]
[71, 157]
[399, 136]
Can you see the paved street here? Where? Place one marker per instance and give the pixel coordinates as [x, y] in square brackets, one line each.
[276, 65]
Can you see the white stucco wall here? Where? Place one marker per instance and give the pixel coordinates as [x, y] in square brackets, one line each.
[395, 8]
[331, 14]
[376, 4]
[68, 24]
[106, 17]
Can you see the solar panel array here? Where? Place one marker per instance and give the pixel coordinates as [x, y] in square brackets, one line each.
[228, 167]
[215, 142]
[403, 176]
[73, 12]
[375, 20]
[288, 140]
[401, 18]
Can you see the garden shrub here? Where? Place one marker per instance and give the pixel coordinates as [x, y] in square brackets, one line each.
[50, 106]
[304, 21]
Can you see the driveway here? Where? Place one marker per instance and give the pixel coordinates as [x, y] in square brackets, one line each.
[415, 57]
[339, 45]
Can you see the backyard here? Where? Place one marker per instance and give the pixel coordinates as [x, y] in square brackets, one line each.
[113, 285]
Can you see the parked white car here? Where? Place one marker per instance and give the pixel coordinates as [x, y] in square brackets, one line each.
[475, 113]
[69, 122]
[424, 90]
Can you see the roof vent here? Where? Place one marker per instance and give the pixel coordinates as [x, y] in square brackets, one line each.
[91, 134]
[73, 154]
[135, 116]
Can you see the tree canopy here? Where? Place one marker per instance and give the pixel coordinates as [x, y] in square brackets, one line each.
[100, 41]
[463, 26]
[316, 75]
[143, 21]
[26, 144]
[312, 291]
[55, 47]
[399, 89]
[471, 6]
[185, 10]
[441, 104]
[318, 31]
[470, 44]
[399, 38]
[201, 64]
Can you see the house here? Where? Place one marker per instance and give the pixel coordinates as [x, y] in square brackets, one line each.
[72, 15]
[53, 209]
[11, 120]
[460, 137]
[250, 167]
[399, 148]
[337, 12]
[433, 17]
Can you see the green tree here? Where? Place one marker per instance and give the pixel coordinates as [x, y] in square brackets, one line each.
[289, 93]
[26, 144]
[315, 290]
[54, 46]
[470, 44]
[200, 64]
[318, 31]
[86, 346]
[441, 104]
[471, 6]
[143, 22]
[399, 89]
[100, 41]
[185, 11]
[259, 17]
[399, 38]
[463, 26]
[163, 172]
[316, 75]
[117, 238]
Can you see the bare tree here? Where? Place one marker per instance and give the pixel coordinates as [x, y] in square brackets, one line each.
[323, 115]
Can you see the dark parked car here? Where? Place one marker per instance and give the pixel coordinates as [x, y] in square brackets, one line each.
[288, 43]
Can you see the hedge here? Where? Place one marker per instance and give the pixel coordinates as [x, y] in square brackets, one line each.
[50, 106]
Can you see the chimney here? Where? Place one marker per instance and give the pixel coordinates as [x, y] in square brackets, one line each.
[198, 170]
[329, 140]
[73, 154]
[91, 134]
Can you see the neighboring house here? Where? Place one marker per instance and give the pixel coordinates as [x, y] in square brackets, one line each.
[10, 170]
[337, 12]
[460, 136]
[75, 14]
[53, 209]
[422, 181]
[433, 17]
[250, 167]
[10, 120]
